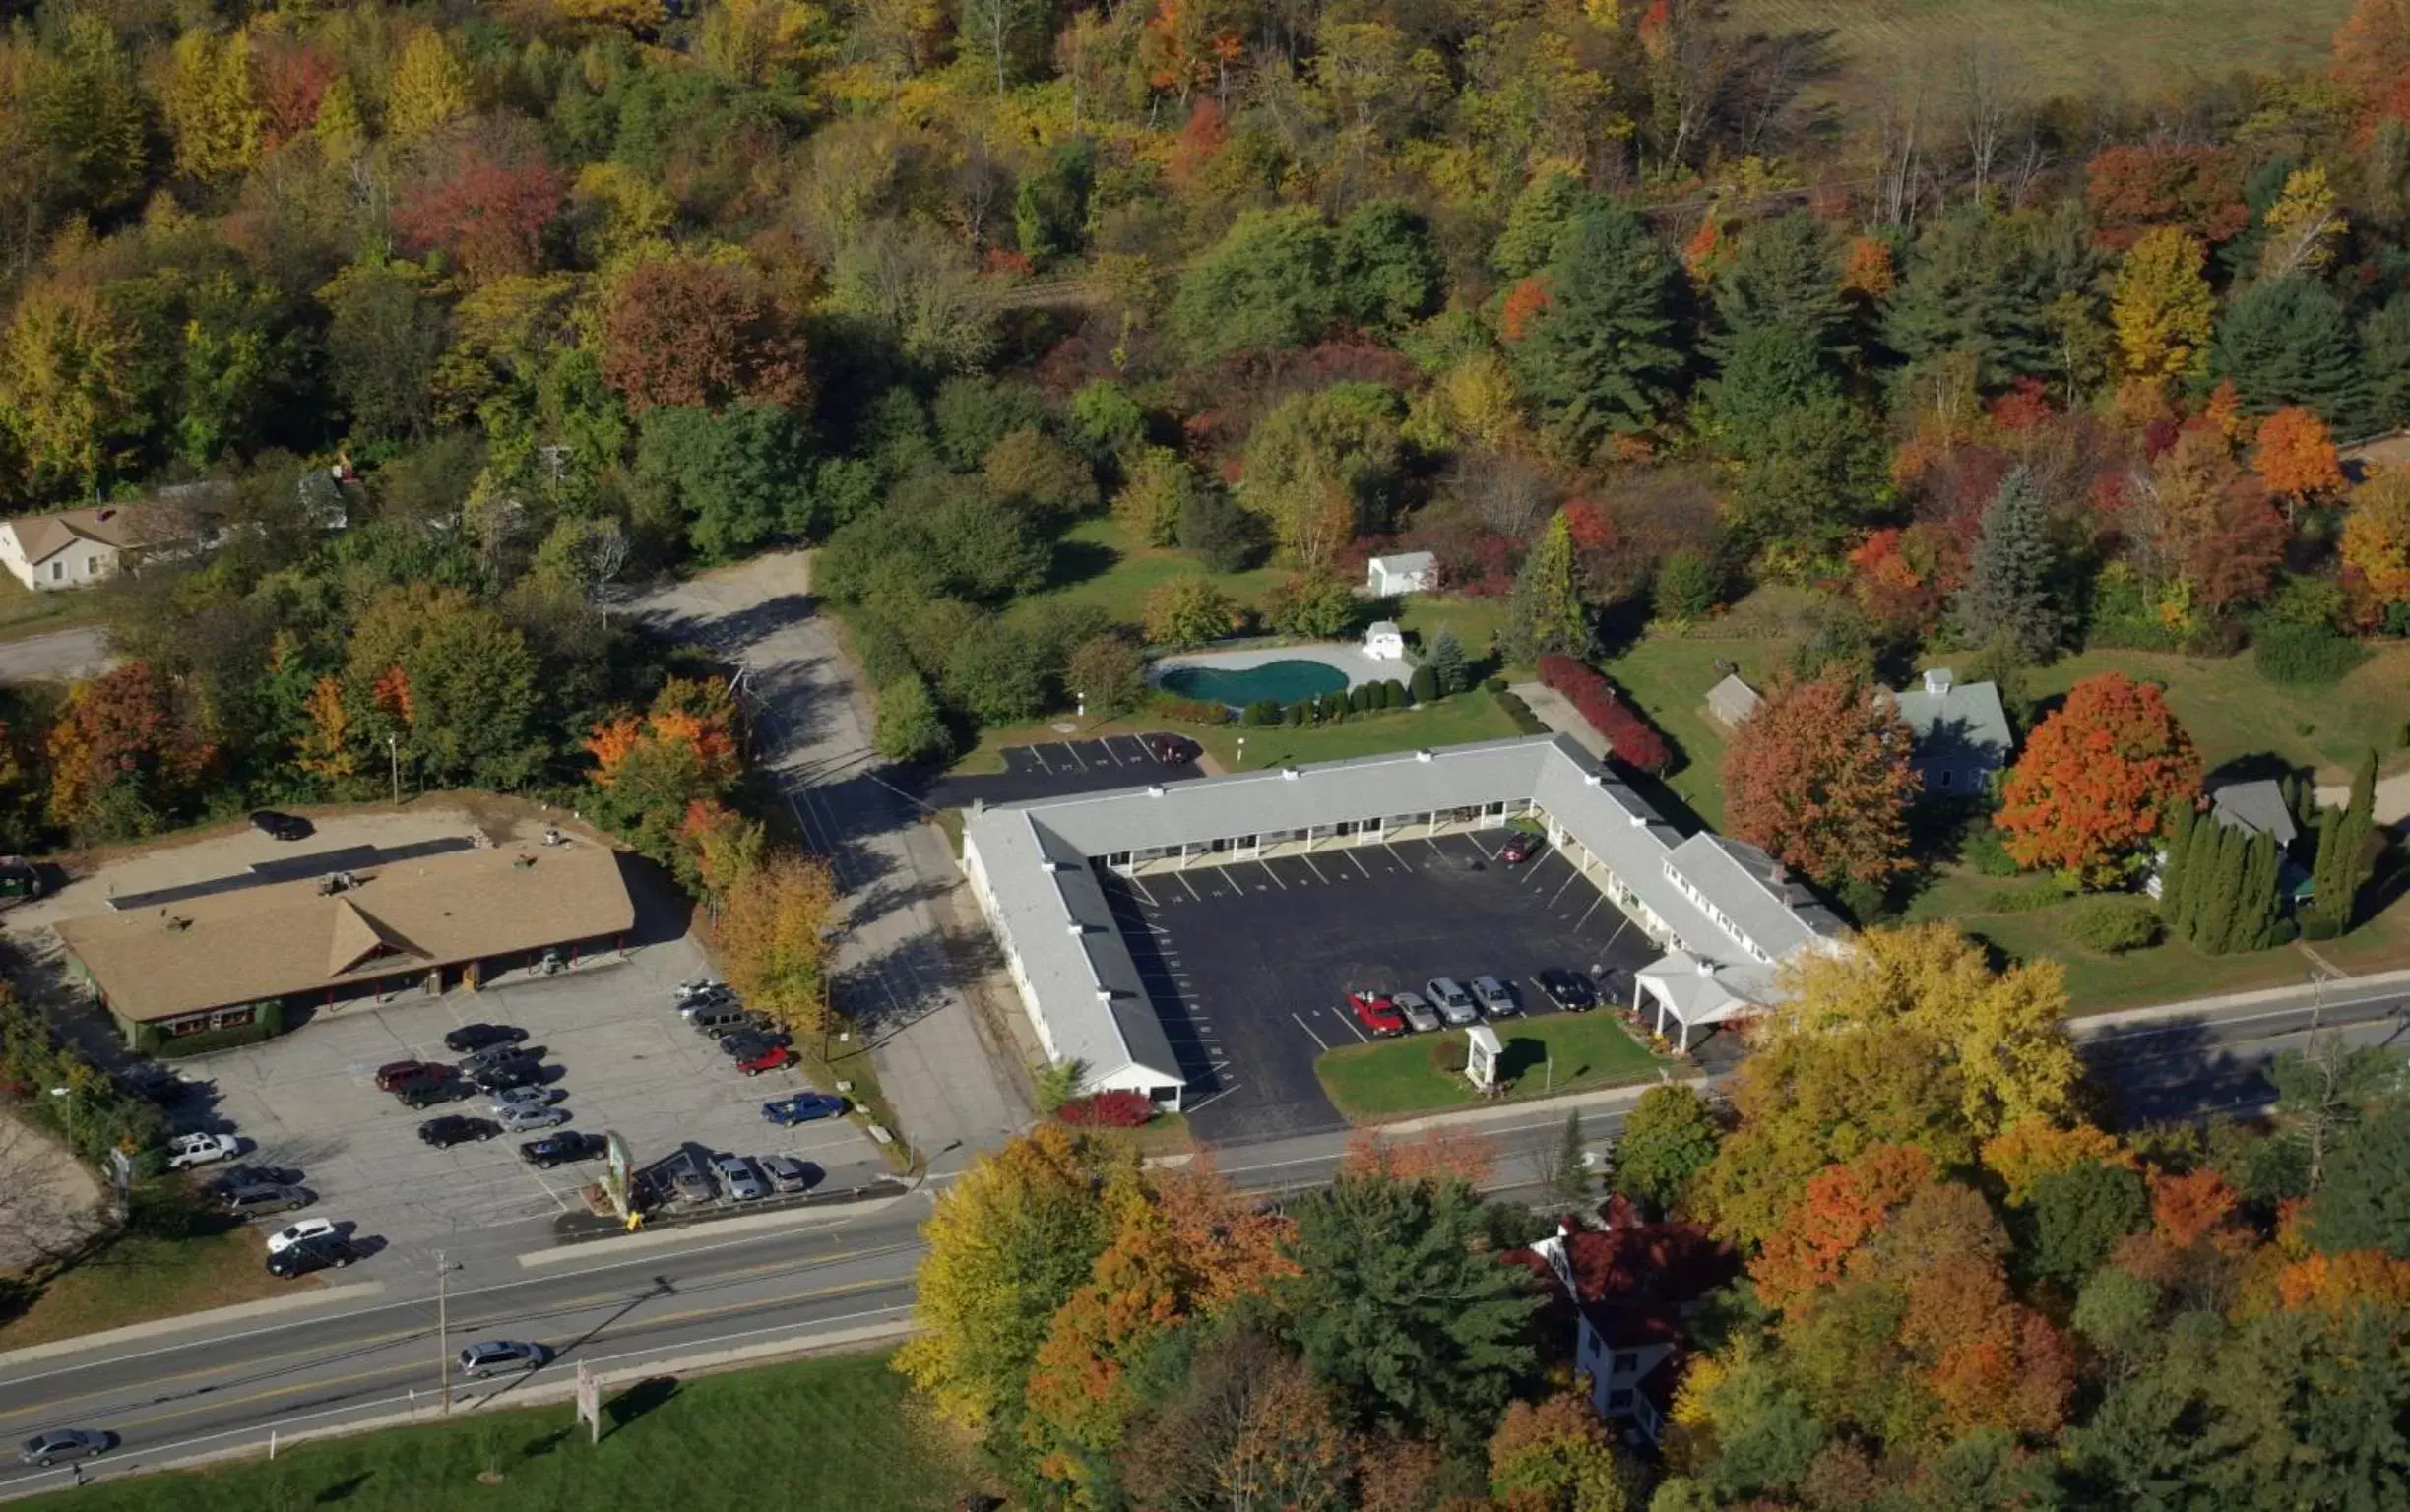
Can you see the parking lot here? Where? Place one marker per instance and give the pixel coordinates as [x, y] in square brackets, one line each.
[610, 1038]
[1250, 962]
[1052, 769]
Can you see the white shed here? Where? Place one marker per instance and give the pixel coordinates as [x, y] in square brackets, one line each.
[1386, 641]
[1408, 572]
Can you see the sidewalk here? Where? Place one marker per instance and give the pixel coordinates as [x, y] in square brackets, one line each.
[1557, 712]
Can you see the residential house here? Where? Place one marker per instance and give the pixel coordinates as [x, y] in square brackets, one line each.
[1406, 572]
[79, 547]
[1961, 733]
[2259, 808]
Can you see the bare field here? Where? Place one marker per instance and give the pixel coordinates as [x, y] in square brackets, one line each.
[2067, 45]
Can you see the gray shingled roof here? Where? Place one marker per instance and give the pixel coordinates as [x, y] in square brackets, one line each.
[1035, 857]
[2257, 807]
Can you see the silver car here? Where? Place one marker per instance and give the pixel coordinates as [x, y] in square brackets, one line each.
[1455, 1004]
[500, 1357]
[523, 1097]
[1497, 999]
[785, 1172]
[56, 1444]
[1420, 1017]
[520, 1120]
[738, 1178]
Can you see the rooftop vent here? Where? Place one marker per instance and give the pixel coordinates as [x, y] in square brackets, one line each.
[1937, 680]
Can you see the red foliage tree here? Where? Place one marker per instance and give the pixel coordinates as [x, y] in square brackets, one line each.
[1903, 578]
[292, 79]
[2132, 189]
[1118, 1110]
[1820, 778]
[123, 754]
[694, 332]
[1627, 734]
[2098, 780]
[1841, 1207]
[2204, 518]
[484, 198]
[2372, 58]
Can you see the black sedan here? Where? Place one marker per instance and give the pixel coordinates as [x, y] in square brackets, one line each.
[508, 1074]
[456, 1129]
[325, 1252]
[471, 1038]
[748, 1043]
[555, 1149]
[280, 826]
[1570, 990]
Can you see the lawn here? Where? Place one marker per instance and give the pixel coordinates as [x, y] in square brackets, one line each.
[24, 613]
[2061, 45]
[2232, 711]
[817, 1435]
[1554, 1052]
[1669, 678]
[1096, 562]
[140, 1277]
[2170, 971]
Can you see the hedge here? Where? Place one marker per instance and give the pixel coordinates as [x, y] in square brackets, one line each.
[1520, 712]
[1596, 699]
[1191, 711]
[1108, 1110]
[2304, 655]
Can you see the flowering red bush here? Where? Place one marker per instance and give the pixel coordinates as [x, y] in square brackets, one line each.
[1629, 735]
[1108, 1110]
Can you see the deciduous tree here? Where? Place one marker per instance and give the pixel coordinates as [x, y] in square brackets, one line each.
[482, 197]
[1547, 616]
[2161, 307]
[773, 934]
[698, 330]
[125, 757]
[2375, 542]
[1668, 1137]
[1553, 1455]
[1190, 610]
[1819, 776]
[2097, 780]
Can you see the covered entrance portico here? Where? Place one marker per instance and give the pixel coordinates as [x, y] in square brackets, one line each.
[1690, 992]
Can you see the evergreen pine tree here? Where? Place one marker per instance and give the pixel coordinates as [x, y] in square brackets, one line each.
[2342, 863]
[1545, 615]
[2200, 890]
[2289, 342]
[2222, 911]
[1447, 662]
[1601, 358]
[2008, 591]
[2254, 927]
[2173, 875]
[1571, 1178]
[1783, 278]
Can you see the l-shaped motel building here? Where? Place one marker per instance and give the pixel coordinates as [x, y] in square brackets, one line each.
[1723, 913]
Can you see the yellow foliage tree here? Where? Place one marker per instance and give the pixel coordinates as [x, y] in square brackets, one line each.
[619, 209]
[67, 392]
[773, 935]
[2004, 1032]
[2303, 226]
[2028, 1151]
[756, 41]
[640, 17]
[213, 111]
[2377, 535]
[1008, 1245]
[340, 132]
[2162, 306]
[431, 85]
[325, 749]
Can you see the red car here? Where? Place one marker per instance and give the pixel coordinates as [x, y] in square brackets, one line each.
[768, 1060]
[1520, 847]
[395, 1075]
[1377, 1013]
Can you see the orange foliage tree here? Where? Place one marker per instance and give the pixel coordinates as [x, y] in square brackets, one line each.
[2297, 456]
[1841, 1206]
[1439, 1155]
[125, 758]
[2098, 780]
[2376, 546]
[1820, 778]
[698, 330]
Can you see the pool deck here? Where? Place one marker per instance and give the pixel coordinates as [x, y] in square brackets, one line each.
[1351, 659]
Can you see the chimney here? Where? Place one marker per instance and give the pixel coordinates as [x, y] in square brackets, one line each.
[1937, 680]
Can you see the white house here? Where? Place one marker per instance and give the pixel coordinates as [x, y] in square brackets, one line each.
[1384, 641]
[77, 547]
[1407, 572]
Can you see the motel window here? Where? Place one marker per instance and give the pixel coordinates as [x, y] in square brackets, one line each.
[1625, 1362]
[1619, 1399]
[58, 571]
[1949, 778]
[92, 566]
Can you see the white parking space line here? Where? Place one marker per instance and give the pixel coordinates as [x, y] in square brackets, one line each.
[1037, 755]
[1560, 892]
[1143, 893]
[1274, 875]
[1487, 854]
[1349, 1019]
[1393, 856]
[1316, 870]
[1191, 1108]
[1309, 1028]
[1434, 844]
[1191, 886]
[1351, 854]
[1073, 752]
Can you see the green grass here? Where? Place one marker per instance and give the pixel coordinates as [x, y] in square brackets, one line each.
[24, 613]
[2061, 45]
[1097, 563]
[141, 1276]
[819, 1434]
[1393, 1077]
[1669, 678]
[2170, 971]
[1458, 721]
[2232, 711]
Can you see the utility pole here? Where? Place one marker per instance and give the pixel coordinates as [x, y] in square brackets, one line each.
[443, 1332]
[394, 751]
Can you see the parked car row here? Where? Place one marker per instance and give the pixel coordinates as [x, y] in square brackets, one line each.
[1445, 1002]
[740, 1178]
[755, 1041]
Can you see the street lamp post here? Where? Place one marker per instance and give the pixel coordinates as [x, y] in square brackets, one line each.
[1243, 751]
[67, 1093]
[443, 1331]
[393, 752]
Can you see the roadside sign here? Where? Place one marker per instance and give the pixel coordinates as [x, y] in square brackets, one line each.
[616, 1178]
[121, 1168]
[590, 1401]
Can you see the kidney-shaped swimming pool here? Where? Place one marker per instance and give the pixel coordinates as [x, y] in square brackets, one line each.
[1286, 682]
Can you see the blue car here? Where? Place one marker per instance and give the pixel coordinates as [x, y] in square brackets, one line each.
[803, 1107]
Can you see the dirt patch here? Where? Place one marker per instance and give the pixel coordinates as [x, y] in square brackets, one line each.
[48, 1202]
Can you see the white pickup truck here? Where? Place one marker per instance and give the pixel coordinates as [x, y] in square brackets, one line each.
[186, 1151]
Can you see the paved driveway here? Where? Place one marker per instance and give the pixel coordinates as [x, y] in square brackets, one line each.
[63, 655]
[1053, 768]
[616, 1046]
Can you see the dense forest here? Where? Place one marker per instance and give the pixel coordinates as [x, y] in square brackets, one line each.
[1594, 301]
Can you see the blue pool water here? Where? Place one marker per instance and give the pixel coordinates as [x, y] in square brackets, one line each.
[1287, 682]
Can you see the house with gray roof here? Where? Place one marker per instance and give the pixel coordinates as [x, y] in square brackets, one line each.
[1730, 701]
[1724, 912]
[2256, 808]
[1961, 732]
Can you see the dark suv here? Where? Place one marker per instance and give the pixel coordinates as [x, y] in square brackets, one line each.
[276, 826]
[254, 1201]
[477, 1037]
[455, 1129]
[324, 1252]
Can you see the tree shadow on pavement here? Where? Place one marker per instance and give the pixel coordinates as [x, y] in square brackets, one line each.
[2179, 1070]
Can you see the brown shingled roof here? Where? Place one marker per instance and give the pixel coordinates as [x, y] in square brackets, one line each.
[169, 514]
[290, 937]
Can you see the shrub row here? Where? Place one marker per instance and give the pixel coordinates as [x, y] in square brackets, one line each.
[270, 1023]
[1191, 711]
[1627, 734]
[1520, 712]
[2304, 655]
[1330, 708]
[1108, 1110]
